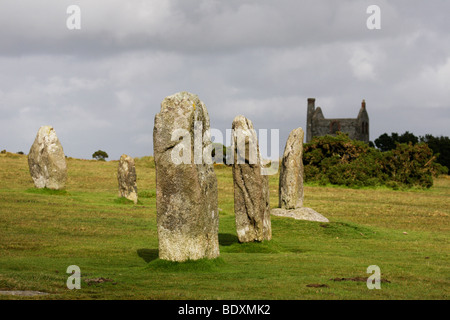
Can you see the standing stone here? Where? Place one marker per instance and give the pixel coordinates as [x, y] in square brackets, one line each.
[47, 161]
[186, 185]
[126, 175]
[251, 187]
[290, 188]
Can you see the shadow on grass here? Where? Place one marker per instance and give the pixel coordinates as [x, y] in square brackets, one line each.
[193, 266]
[148, 254]
[227, 239]
[123, 200]
[47, 191]
[231, 244]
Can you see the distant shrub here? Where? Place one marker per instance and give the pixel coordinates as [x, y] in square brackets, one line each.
[341, 161]
[100, 155]
[439, 145]
[411, 165]
[223, 154]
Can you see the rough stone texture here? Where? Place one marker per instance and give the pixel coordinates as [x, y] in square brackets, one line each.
[186, 193]
[290, 190]
[24, 293]
[251, 188]
[318, 125]
[126, 175]
[300, 214]
[47, 161]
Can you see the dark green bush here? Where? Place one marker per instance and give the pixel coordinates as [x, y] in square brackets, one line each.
[411, 165]
[341, 161]
[100, 155]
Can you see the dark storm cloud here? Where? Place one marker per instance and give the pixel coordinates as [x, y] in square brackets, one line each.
[101, 86]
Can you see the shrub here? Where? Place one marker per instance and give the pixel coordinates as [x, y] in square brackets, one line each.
[341, 161]
[411, 165]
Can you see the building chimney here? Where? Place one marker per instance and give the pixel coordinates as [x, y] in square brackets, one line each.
[310, 111]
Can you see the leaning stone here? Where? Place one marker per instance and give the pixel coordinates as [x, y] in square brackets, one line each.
[186, 190]
[47, 161]
[300, 214]
[251, 187]
[126, 175]
[291, 172]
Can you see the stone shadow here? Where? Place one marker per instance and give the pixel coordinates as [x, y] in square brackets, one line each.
[148, 254]
[227, 239]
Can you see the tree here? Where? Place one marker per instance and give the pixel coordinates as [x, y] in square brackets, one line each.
[440, 146]
[386, 142]
[408, 137]
[100, 155]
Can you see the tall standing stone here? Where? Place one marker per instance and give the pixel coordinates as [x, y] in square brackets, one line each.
[46, 160]
[126, 176]
[186, 185]
[251, 187]
[290, 190]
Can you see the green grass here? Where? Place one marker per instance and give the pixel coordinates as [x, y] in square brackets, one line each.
[42, 232]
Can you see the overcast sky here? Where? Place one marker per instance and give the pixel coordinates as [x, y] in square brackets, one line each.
[101, 86]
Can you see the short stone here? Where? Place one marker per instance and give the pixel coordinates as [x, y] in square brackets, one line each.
[46, 160]
[126, 176]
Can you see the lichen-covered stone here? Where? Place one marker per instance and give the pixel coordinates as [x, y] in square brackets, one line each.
[46, 160]
[186, 192]
[290, 188]
[126, 176]
[251, 188]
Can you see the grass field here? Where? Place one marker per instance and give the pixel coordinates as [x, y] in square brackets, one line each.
[405, 233]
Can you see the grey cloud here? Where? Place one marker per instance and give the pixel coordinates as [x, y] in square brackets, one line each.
[101, 86]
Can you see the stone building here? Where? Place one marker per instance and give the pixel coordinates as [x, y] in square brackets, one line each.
[317, 125]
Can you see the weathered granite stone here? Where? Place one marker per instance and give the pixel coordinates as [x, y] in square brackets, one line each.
[290, 188]
[300, 214]
[251, 188]
[186, 192]
[47, 161]
[126, 176]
